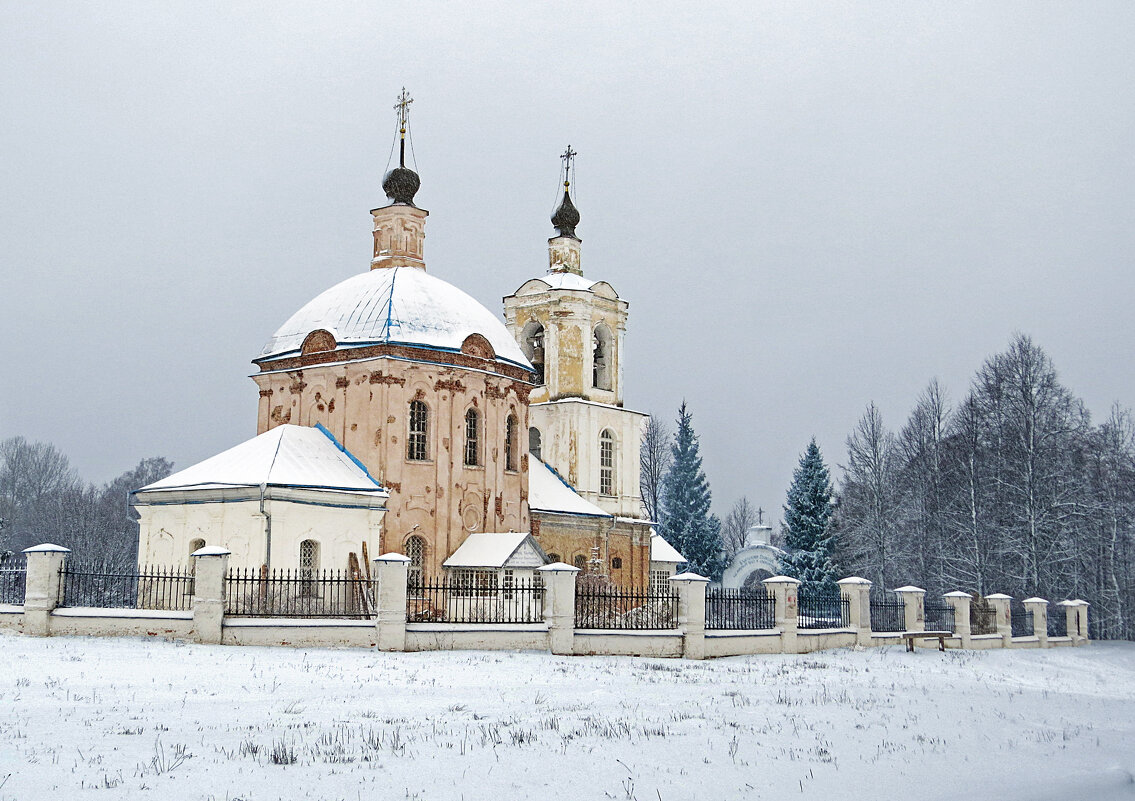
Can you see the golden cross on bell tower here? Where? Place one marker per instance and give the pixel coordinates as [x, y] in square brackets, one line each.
[567, 156]
[403, 109]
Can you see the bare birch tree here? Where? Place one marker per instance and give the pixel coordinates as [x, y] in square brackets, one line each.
[654, 462]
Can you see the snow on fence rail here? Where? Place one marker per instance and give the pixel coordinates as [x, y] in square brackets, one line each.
[460, 601]
[298, 593]
[739, 609]
[617, 608]
[12, 586]
[888, 613]
[157, 588]
[822, 609]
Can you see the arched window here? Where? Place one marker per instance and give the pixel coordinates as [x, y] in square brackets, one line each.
[580, 561]
[617, 563]
[601, 358]
[416, 552]
[416, 449]
[534, 442]
[553, 557]
[607, 463]
[532, 343]
[309, 564]
[472, 438]
[510, 460]
[196, 545]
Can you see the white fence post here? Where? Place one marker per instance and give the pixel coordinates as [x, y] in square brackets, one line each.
[390, 572]
[1081, 607]
[784, 589]
[691, 613]
[211, 566]
[559, 606]
[1000, 603]
[914, 607]
[41, 587]
[1039, 608]
[961, 602]
[857, 591]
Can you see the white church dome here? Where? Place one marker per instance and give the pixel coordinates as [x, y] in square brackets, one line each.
[395, 306]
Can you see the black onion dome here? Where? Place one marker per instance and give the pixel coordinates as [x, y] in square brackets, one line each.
[401, 184]
[566, 217]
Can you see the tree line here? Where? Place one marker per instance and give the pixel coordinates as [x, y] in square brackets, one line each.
[43, 499]
[1013, 489]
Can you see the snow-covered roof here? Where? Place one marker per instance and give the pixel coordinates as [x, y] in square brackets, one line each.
[662, 551]
[493, 549]
[398, 306]
[547, 492]
[285, 456]
[568, 281]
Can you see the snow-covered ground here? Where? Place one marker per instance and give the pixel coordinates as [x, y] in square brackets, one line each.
[123, 718]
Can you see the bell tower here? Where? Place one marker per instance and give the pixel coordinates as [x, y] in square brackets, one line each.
[400, 228]
[571, 329]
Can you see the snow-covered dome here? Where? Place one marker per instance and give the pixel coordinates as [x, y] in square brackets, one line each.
[396, 306]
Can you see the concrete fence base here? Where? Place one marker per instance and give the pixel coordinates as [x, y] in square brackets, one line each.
[388, 629]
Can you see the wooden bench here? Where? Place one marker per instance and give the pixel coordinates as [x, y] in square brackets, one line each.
[910, 636]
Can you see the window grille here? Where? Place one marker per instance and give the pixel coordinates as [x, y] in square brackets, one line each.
[508, 581]
[617, 563]
[510, 443]
[580, 561]
[419, 426]
[416, 553]
[606, 463]
[309, 564]
[472, 437]
[659, 579]
[553, 557]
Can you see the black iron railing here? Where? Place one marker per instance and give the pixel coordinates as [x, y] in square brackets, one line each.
[739, 609]
[982, 620]
[252, 592]
[888, 613]
[485, 598]
[162, 588]
[939, 616]
[617, 608]
[12, 583]
[1057, 622]
[822, 609]
[1021, 621]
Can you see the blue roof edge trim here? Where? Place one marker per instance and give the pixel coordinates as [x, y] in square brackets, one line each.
[347, 453]
[563, 481]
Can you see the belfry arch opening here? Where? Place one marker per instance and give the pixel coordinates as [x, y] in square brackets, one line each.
[602, 357]
[532, 343]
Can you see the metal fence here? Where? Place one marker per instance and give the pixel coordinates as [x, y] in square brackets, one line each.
[982, 620]
[616, 608]
[739, 609]
[485, 600]
[1057, 622]
[822, 609]
[162, 588]
[939, 616]
[1022, 622]
[12, 583]
[253, 592]
[888, 613]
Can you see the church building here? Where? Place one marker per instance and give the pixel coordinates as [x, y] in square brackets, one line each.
[467, 425]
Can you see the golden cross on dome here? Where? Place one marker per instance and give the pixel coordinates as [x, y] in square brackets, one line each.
[403, 109]
[567, 157]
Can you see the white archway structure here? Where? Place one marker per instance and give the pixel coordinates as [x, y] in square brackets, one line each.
[754, 559]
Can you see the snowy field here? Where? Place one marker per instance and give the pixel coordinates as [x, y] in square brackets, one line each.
[123, 718]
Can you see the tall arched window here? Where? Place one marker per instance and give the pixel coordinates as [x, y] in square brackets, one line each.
[196, 545]
[309, 564]
[607, 463]
[416, 552]
[416, 449]
[601, 357]
[534, 442]
[580, 561]
[472, 438]
[510, 460]
[532, 343]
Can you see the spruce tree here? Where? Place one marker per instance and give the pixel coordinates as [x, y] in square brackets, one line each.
[808, 531]
[687, 523]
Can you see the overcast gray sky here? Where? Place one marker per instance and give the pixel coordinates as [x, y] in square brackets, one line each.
[808, 205]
